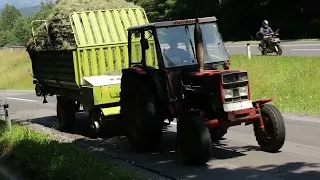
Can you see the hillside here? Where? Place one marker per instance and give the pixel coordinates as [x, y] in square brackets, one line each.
[20, 3]
[28, 11]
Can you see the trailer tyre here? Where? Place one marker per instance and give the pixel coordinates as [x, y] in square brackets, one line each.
[274, 136]
[140, 113]
[194, 138]
[65, 114]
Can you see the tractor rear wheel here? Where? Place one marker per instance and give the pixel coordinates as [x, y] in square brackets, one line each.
[194, 138]
[139, 112]
[66, 109]
[272, 139]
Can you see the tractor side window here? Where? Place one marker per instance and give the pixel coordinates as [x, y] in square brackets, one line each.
[136, 49]
[215, 50]
[175, 47]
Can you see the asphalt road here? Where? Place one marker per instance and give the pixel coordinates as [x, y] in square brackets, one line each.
[236, 157]
[289, 48]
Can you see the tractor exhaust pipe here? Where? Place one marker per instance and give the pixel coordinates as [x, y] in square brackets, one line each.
[199, 45]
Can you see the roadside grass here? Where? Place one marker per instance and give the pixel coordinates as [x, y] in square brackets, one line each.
[39, 157]
[292, 82]
[14, 68]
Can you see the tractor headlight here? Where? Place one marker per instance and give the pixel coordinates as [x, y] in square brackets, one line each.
[243, 91]
[228, 93]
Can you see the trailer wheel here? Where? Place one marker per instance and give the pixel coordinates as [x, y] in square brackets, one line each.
[194, 138]
[139, 112]
[104, 126]
[218, 133]
[97, 122]
[272, 139]
[65, 114]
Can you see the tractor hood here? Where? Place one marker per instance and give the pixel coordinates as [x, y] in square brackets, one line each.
[207, 77]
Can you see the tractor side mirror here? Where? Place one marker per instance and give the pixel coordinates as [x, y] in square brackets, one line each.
[144, 43]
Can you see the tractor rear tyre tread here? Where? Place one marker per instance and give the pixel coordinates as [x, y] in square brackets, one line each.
[275, 125]
[140, 113]
[194, 138]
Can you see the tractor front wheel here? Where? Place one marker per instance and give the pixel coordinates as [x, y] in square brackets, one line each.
[272, 138]
[194, 138]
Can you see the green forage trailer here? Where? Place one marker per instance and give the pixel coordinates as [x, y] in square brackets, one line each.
[88, 75]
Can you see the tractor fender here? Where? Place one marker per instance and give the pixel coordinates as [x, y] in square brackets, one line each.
[260, 102]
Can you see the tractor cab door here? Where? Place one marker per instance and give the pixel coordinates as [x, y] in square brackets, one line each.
[142, 49]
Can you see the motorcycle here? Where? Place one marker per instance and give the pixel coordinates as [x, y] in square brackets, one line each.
[272, 45]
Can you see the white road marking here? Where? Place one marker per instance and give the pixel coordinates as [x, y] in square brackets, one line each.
[305, 49]
[19, 99]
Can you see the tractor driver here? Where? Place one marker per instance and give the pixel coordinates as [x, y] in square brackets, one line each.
[174, 55]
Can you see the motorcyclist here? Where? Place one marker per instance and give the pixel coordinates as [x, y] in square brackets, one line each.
[266, 31]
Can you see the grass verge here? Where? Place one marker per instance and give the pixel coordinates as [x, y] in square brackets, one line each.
[14, 68]
[39, 157]
[293, 82]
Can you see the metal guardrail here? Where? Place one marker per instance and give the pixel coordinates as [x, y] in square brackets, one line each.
[4, 113]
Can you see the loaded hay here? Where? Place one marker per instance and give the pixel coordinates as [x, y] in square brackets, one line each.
[60, 36]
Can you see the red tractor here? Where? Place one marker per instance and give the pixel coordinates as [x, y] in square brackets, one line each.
[187, 84]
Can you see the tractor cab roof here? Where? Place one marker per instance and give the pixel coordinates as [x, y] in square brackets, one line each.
[171, 23]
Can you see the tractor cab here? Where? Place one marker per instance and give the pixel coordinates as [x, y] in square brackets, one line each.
[173, 42]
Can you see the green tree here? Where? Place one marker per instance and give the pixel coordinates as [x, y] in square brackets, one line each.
[156, 10]
[21, 30]
[46, 9]
[8, 17]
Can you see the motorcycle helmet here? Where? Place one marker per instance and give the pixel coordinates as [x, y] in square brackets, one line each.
[265, 23]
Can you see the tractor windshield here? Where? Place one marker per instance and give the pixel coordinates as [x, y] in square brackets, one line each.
[178, 49]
